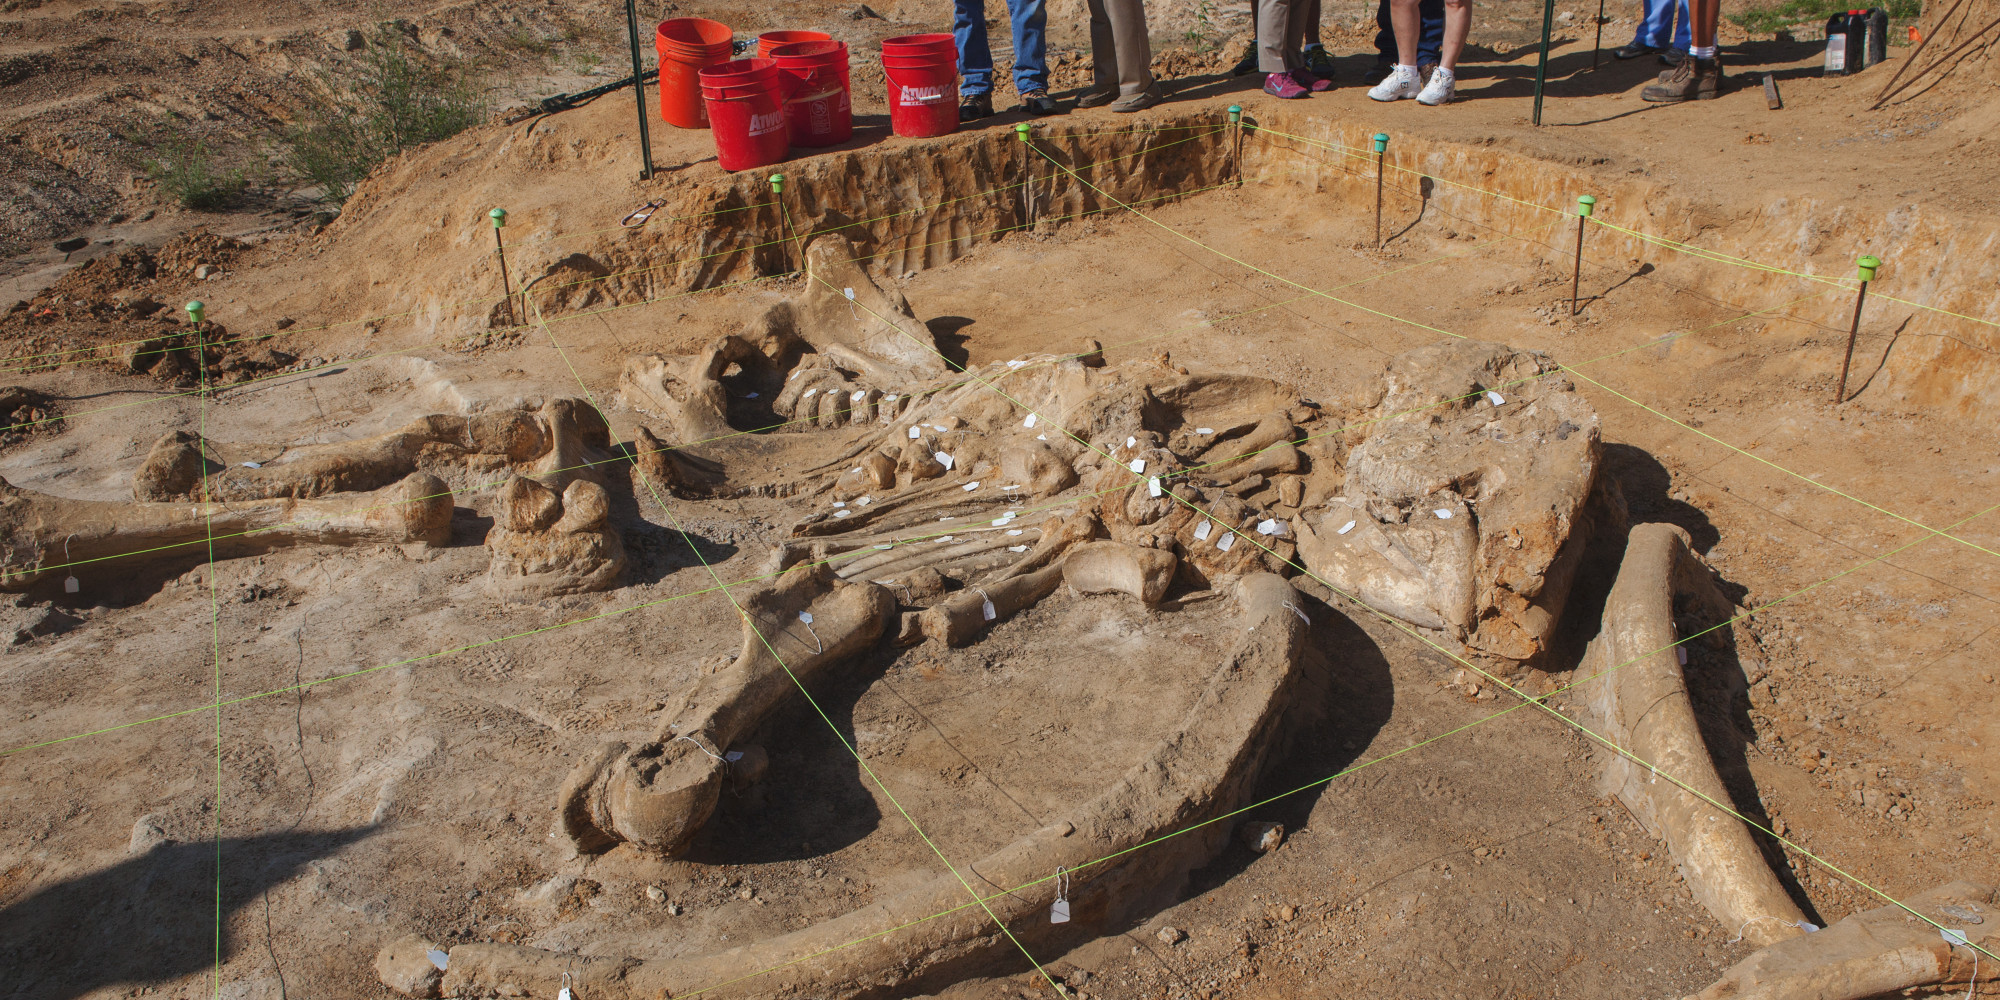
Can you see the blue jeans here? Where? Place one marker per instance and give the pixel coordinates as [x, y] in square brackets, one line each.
[1659, 23]
[1431, 13]
[1031, 52]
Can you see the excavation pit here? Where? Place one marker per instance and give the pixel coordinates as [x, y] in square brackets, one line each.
[449, 683]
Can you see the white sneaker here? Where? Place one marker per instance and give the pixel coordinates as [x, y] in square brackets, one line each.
[1400, 83]
[1440, 88]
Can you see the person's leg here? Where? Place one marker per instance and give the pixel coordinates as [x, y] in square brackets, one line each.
[1031, 47]
[1699, 76]
[1702, 17]
[1431, 42]
[1683, 33]
[975, 59]
[1385, 33]
[1134, 51]
[1457, 23]
[1103, 56]
[1273, 17]
[1407, 21]
[1295, 33]
[1312, 23]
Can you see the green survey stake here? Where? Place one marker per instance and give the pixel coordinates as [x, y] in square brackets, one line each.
[777, 183]
[499, 217]
[1381, 141]
[195, 308]
[1235, 114]
[1021, 131]
[1866, 267]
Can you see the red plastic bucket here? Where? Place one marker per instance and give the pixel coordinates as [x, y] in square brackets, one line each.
[772, 39]
[923, 84]
[745, 113]
[813, 82]
[686, 45]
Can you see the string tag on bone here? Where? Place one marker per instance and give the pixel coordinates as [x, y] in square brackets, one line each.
[564, 993]
[1226, 542]
[698, 746]
[253, 465]
[1295, 610]
[1016, 363]
[1138, 465]
[70, 583]
[1201, 530]
[1152, 486]
[1443, 513]
[1345, 528]
[945, 459]
[986, 608]
[1495, 398]
[1059, 910]
[1204, 431]
[969, 487]
[806, 619]
[916, 432]
[438, 958]
[849, 292]
[1030, 421]
[1274, 527]
[1681, 652]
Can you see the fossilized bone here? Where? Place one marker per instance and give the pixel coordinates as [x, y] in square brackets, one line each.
[545, 544]
[557, 443]
[1513, 478]
[659, 794]
[1878, 952]
[1204, 768]
[686, 391]
[1127, 569]
[1642, 703]
[41, 530]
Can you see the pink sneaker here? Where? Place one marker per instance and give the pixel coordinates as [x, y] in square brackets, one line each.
[1310, 80]
[1283, 85]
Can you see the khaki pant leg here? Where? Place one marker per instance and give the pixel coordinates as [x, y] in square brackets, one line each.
[1131, 52]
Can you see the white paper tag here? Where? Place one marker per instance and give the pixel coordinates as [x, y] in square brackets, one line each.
[1443, 514]
[1015, 364]
[809, 393]
[733, 756]
[749, 395]
[1345, 528]
[1494, 397]
[1013, 531]
[1041, 437]
[916, 432]
[986, 609]
[944, 538]
[1201, 530]
[1955, 937]
[840, 503]
[944, 460]
[1226, 542]
[849, 292]
[1681, 652]
[793, 377]
[855, 396]
[890, 398]
[1010, 487]
[1131, 442]
[1030, 422]
[1017, 548]
[969, 487]
[564, 993]
[940, 428]
[253, 465]
[1153, 486]
[1204, 431]
[864, 501]
[1138, 465]
[437, 958]
[71, 585]
[843, 513]
[885, 546]
[1059, 912]
[806, 617]
[1274, 527]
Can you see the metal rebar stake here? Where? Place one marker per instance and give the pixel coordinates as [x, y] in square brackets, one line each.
[639, 90]
[1584, 205]
[1381, 147]
[1027, 176]
[1236, 159]
[1597, 49]
[499, 217]
[1866, 268]
[1542, 65]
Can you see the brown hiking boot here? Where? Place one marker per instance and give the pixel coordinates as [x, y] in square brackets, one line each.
[1693, 80]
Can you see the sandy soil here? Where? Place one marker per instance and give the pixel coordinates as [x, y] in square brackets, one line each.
[415, 794]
